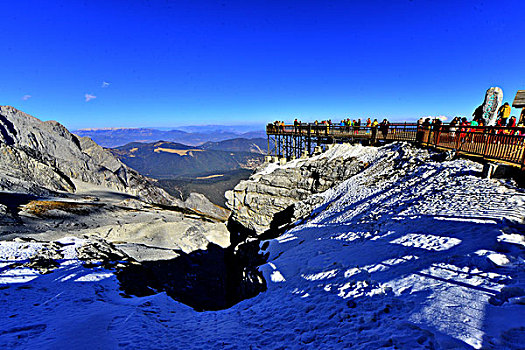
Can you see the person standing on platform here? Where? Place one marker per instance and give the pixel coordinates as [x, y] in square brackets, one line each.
[511, 124]
[504, 113]
[384, 128]
[436, 128]
[478, 113]
[374, 130]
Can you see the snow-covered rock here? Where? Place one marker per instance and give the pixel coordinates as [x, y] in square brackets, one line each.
[264, 200]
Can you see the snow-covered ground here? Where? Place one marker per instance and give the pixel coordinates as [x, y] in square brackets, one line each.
[407, 254]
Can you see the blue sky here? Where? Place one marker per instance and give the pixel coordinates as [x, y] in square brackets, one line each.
[170, 63]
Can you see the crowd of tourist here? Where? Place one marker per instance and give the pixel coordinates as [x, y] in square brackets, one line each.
[505, 124]
[345, 124]
[458, 126]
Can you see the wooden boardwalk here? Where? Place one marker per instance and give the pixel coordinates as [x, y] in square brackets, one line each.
[492, 143]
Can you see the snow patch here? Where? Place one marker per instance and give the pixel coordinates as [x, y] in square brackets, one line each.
[320, 275]
[277, 277]
[427, 241]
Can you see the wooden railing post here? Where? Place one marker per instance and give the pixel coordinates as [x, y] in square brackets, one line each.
[486, 135]
[429, 128]
[523, 157]
[374, 135]
[309, 141]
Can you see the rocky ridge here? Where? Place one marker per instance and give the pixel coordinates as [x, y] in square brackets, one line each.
[43, 157]
[56, 187]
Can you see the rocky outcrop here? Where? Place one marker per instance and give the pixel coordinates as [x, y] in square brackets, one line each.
[200, 203]
[277, 195]
[5, 215]
[22, 172]
[42, 157]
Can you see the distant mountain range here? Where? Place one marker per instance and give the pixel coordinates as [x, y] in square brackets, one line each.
[208, 129]
[194, 136]
[171, 160]
[210, 169]
[255, 145]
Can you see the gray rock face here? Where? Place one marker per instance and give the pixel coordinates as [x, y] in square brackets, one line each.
[258, 202]
[141, 230]
[5, 216]
[21, 172]
[202, 204]
[41, 157]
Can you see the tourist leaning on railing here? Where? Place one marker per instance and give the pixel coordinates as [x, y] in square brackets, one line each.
[436, 129]
[511, 124]
[501, 122]
[463, 131]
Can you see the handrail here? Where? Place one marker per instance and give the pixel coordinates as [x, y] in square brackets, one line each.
[491, 142]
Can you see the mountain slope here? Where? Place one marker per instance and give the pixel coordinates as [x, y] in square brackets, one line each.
[41, 157]
[257, 145]
[169, 160]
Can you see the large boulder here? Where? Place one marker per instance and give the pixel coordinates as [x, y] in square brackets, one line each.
[200, 203]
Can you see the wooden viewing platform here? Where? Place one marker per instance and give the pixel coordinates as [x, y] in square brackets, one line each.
[489, 142]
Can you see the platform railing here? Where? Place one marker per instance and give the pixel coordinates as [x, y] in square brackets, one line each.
[490, 142]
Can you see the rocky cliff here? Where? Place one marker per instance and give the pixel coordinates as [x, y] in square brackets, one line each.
[42, 157]
[277, 195]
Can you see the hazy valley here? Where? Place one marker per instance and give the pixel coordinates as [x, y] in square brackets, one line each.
[210, 169]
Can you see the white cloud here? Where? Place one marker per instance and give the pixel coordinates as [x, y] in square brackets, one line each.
[442, 117]
[89, 97]
[105, 84]
[26, 97]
